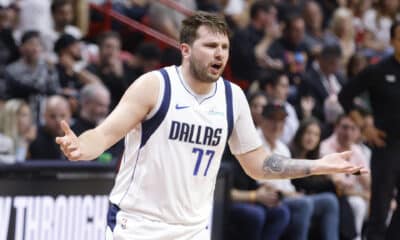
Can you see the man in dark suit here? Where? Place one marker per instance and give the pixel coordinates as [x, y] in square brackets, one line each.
[323, 79]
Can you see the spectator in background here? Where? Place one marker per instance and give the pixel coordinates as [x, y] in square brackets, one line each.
[323, 79]
[16, 124]
[356, 64]
[34, 15]
[44, 146]
[257, 101]
[256, 209]
[276, 86]
[292, 50]
[31, 77]
[358, 9]
[6, 150]
[289, 7]
[248, 51]
[343, 33]
[147, 58]
[303, 208]
[377, 22]
[238, 12]
[381, 82]
[135, 9]
[70, 67]
[306, 144]
[355, 188]
[313, 19]
[115, 74]
[8, 48]
[63, 15]
[94, 107]
[166, 19]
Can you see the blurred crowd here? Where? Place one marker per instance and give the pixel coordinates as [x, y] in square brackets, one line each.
[291, 57]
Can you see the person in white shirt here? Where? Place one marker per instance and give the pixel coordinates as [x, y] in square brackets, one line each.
[276, 85]
[303, 208]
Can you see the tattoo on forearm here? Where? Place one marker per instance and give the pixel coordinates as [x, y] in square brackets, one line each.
[276, 165]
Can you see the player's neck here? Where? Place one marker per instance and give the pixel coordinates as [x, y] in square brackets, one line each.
[197, 86]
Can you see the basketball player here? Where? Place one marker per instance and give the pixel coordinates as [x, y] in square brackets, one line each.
[177, 121]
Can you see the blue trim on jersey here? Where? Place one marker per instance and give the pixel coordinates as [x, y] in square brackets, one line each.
[112, 216]
[187, 90]
[150, 126]
[229, 106]
[132, 177]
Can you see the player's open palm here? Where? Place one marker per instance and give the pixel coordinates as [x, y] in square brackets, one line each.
[69, 143]
[339, 163]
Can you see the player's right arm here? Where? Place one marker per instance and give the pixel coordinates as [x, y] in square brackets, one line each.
[135, 104]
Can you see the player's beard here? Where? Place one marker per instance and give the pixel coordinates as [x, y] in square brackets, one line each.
[200, 72]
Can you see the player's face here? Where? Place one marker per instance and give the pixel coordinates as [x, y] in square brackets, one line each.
[208, 55]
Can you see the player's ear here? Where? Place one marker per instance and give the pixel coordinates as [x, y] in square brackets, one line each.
[185, 49]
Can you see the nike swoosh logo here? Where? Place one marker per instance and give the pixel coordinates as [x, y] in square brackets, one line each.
[180, 107]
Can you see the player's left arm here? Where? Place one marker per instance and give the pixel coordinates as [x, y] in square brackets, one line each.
[258, 163]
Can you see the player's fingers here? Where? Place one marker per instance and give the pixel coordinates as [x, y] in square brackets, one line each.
[72, 148]
[64, 149]
[356, 169]
[66, 140]
[61, 140]
[74, 155]
[65, 127]
[58, 140]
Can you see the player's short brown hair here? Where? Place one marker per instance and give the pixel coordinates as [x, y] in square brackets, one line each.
[215, 22]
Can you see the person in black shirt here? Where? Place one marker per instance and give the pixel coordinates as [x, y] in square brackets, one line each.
[114, 72]
[70, 67]
[247, 43]
[382, 82]
[44, 146]
[293, 52]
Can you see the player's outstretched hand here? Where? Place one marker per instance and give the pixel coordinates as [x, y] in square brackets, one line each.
[69, 143]
[339, 163]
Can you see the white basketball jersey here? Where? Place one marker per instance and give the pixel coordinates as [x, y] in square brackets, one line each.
[171, 160]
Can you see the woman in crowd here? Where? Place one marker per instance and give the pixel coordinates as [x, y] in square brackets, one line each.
[16, 124]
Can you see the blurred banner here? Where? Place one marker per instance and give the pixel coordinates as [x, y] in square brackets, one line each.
[48, 200]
